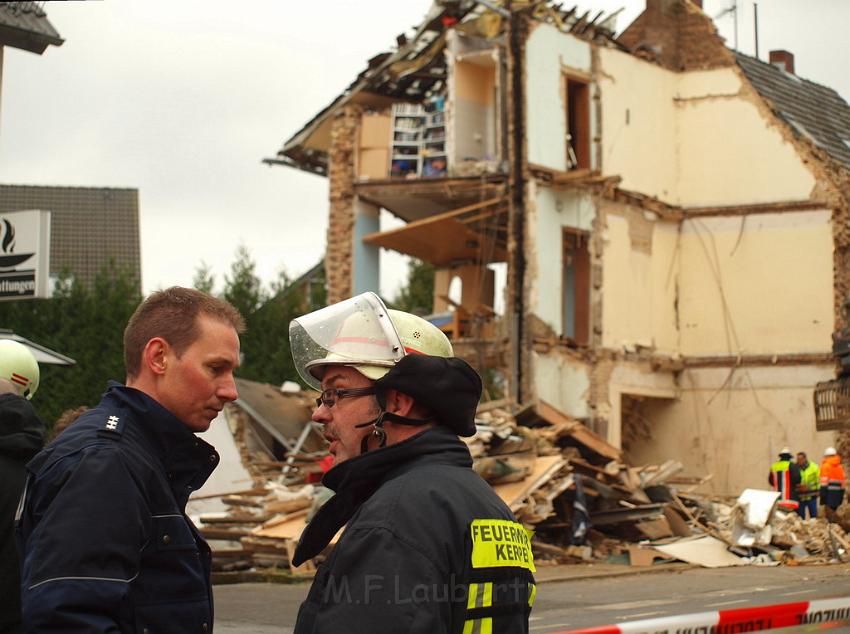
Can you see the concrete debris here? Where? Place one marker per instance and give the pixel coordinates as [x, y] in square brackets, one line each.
[584, 502]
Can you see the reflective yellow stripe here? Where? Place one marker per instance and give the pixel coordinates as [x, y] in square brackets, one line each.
[476, 599]
[488, 595]
[473, 592]
[532, 594]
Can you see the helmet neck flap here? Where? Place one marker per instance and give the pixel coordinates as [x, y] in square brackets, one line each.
[448, 386]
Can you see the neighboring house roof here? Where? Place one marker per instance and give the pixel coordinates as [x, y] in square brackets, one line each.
[816, 112]
[24, 25]
[41, 353]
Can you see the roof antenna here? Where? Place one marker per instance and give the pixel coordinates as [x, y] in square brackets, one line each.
[756, 26]
[732, 8]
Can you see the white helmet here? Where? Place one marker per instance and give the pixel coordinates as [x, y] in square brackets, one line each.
[18, 365]
[830, 451]
[363, 333]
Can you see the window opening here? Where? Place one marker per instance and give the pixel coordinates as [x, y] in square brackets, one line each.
[576, 287]
[578, 124]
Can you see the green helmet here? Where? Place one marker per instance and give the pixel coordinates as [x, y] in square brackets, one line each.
[18, 365]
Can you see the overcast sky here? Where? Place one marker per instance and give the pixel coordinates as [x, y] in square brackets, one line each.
[182, 100]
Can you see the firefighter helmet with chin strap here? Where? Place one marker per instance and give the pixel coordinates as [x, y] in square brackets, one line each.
[18, 366]
[396, 350]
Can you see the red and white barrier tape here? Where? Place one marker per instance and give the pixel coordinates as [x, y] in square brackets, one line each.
[730, 621]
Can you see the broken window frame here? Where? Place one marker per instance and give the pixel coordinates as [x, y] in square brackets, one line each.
[576, 91]
[575, 285]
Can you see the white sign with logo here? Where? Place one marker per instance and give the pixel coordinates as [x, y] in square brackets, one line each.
[24, 255]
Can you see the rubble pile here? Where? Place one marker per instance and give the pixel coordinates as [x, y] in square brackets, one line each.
[582, 499]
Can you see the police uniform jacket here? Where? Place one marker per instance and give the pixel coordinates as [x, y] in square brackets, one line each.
[107, 545]
[428, 547]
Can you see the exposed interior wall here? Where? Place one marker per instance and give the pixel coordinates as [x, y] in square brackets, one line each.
[548, 55]
[694, 138]
[771, 407]
[639, 288]
[729, 154]
[474, 128]
[366, 267]
[373, 148]
[766, 289]
[638, 124]
[554, 210]
[563, 381]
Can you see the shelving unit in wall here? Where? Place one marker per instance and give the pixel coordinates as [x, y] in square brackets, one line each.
[408, 122]
[434, 159]
[419, 140]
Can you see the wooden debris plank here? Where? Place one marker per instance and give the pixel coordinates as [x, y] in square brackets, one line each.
[230, 534]
[664, 473]
[288, 506]
[514, 493]
[257, 491]
[578, 431]
[655, 528]
[643, 556]
[285, 518]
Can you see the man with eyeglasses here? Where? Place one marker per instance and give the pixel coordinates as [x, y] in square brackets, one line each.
[428, 546]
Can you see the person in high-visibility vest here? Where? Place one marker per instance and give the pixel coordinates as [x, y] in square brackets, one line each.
[809, 485]
[832, 479]
[785, 478]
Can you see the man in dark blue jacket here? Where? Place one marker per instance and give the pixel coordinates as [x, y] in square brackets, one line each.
[107, 545]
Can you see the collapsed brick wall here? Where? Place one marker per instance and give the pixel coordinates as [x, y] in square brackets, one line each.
[341, 176]
[677, 35]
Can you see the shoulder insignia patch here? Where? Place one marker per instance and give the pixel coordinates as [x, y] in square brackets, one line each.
[500, 543]
[113, 425]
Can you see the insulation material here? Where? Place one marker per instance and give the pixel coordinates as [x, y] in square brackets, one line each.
[705, 551]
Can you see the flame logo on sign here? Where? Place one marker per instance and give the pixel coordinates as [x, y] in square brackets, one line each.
[8, 244]
[10, 259]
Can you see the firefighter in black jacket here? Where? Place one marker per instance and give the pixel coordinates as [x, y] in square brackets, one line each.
[428, 547]
[21, 437]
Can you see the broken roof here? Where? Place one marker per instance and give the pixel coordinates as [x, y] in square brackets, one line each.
[815, 112]
[417, 68]
[24, 25]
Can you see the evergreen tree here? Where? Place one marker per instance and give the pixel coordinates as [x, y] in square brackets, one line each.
[204, 279]
[242, 287]
[84, 323]
[417, 295]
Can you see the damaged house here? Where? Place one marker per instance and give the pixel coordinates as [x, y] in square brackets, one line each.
[648, 232]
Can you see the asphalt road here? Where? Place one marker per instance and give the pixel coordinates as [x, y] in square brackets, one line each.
[583, 602]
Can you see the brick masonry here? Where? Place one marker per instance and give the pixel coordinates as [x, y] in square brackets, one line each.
[677, 35]
[341, 175]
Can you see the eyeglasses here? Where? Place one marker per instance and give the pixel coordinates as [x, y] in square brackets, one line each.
[329, 397]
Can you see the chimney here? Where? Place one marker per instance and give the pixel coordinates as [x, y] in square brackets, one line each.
[783, 60]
